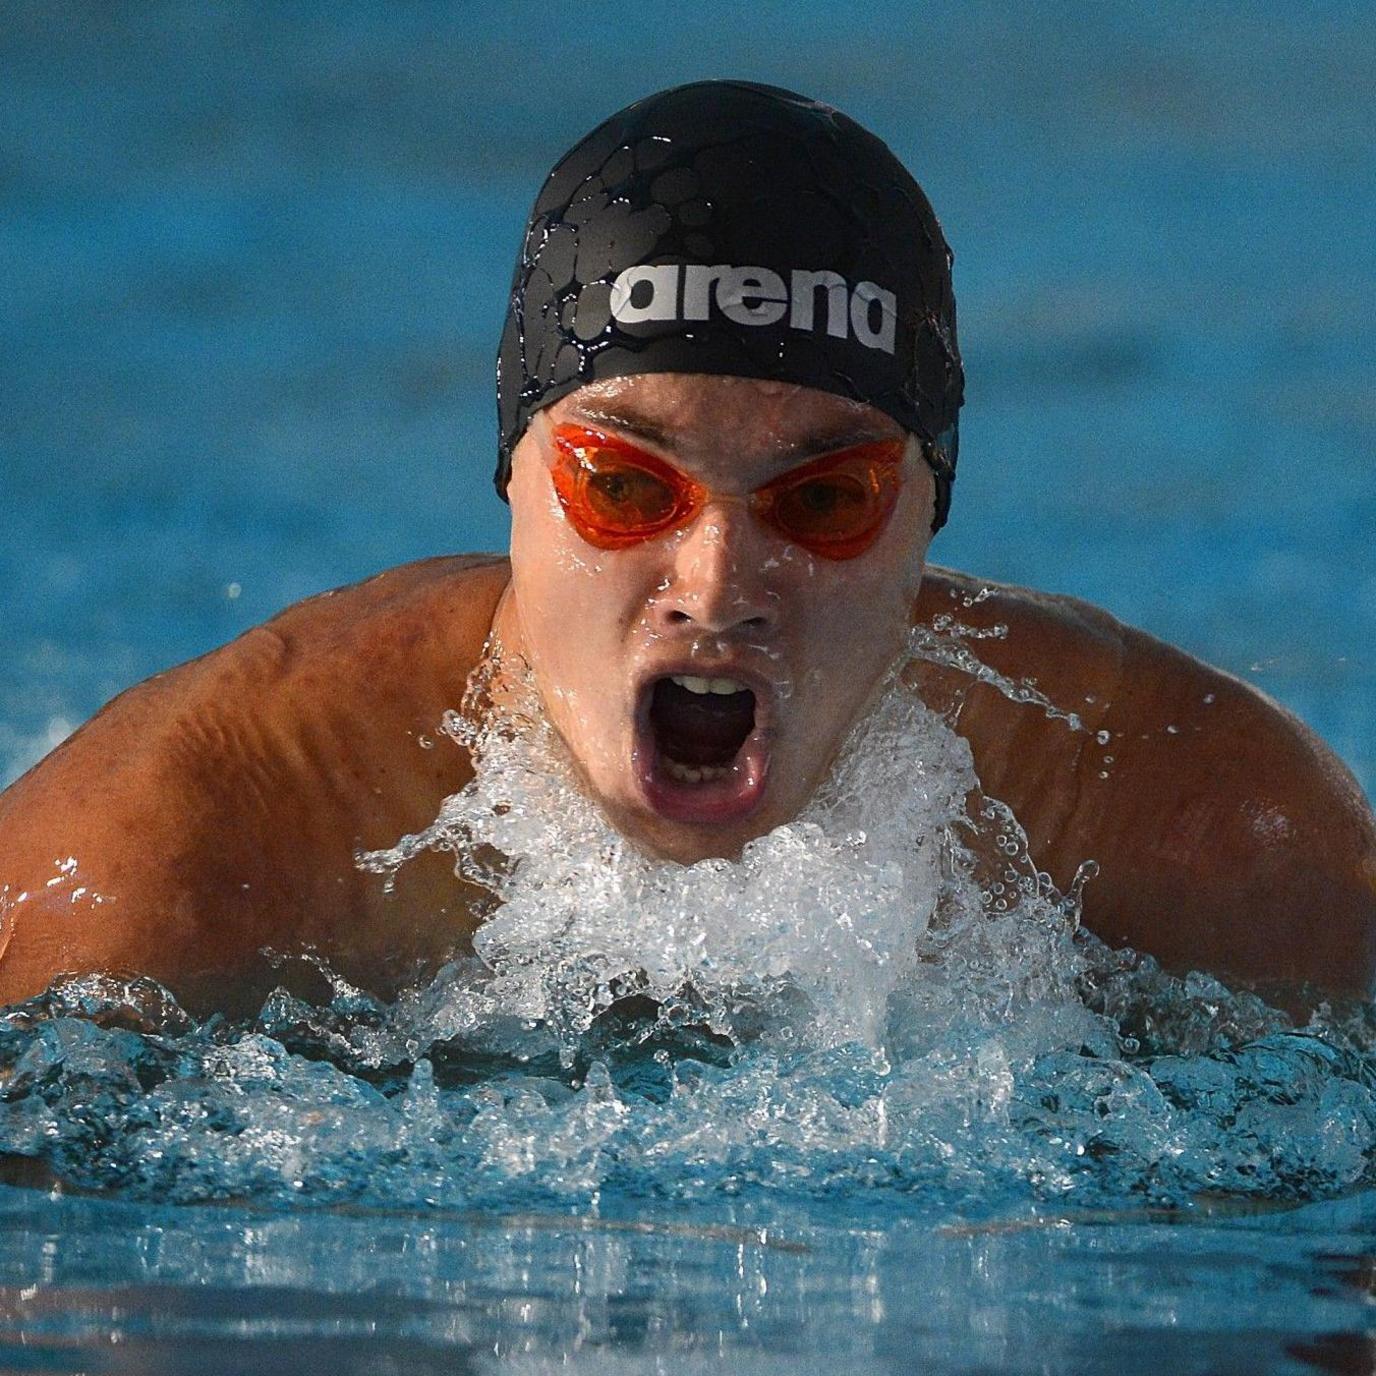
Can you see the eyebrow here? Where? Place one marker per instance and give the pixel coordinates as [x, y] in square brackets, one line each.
[624, 416]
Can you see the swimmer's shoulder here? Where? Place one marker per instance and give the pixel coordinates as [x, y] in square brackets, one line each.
[1230, 837]
[1079, 649]
[1152, 700]
[229, 794]
[417, 628]
[427, 609]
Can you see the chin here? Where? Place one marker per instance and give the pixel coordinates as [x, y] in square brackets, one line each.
[686, 843]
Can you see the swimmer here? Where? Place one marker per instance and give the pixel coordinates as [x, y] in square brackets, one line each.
[728, 391]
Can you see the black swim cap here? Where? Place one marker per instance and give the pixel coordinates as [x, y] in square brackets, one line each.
[724, 227]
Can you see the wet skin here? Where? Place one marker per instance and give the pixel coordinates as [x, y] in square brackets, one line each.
[216, 809]
[725, 597]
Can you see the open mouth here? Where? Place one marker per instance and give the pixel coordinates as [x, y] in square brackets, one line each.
[704, 757]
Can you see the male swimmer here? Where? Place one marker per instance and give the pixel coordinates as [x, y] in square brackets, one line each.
[728, 390]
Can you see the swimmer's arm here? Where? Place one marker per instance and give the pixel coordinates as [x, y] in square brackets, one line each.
[1249, 848]
[216, 809]
[1229, 837]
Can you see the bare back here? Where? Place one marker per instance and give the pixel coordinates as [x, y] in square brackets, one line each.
[217, 808]
[1228, 836]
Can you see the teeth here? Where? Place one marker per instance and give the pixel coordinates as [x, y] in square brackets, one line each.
[693, 685]
[707, 685]
[687, 774]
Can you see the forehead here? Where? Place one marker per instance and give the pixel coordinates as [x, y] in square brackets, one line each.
[695, 415]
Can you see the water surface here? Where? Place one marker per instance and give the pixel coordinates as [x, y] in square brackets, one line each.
[254, 265]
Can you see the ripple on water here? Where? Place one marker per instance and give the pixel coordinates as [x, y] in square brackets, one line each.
[883, 1002]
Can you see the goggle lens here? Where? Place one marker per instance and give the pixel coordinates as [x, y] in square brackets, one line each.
[616, 494]
[837, 506]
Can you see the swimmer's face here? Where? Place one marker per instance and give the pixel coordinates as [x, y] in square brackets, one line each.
[705, 676]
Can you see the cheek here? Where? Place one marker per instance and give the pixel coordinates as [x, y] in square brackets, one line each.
[860, 628]
[553, 588]
[854, 628]
[874, 591]
[577, 603]
[545, 549]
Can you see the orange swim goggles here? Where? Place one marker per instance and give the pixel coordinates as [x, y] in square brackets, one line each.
[616, 494]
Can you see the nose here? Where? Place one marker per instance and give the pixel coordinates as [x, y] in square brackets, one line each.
[718, 580]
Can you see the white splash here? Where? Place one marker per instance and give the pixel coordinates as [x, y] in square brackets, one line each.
[835, 906]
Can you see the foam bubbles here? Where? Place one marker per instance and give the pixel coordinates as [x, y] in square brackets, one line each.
[833, 905]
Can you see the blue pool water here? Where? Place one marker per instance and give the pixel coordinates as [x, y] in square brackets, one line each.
[253, 267]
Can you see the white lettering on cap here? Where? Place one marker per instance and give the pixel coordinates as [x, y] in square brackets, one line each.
[756, 296]
[863, 302]
[737, 288]
[805, 286]
[659, 303]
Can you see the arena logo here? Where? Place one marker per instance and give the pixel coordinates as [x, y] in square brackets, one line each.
[756, 296]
